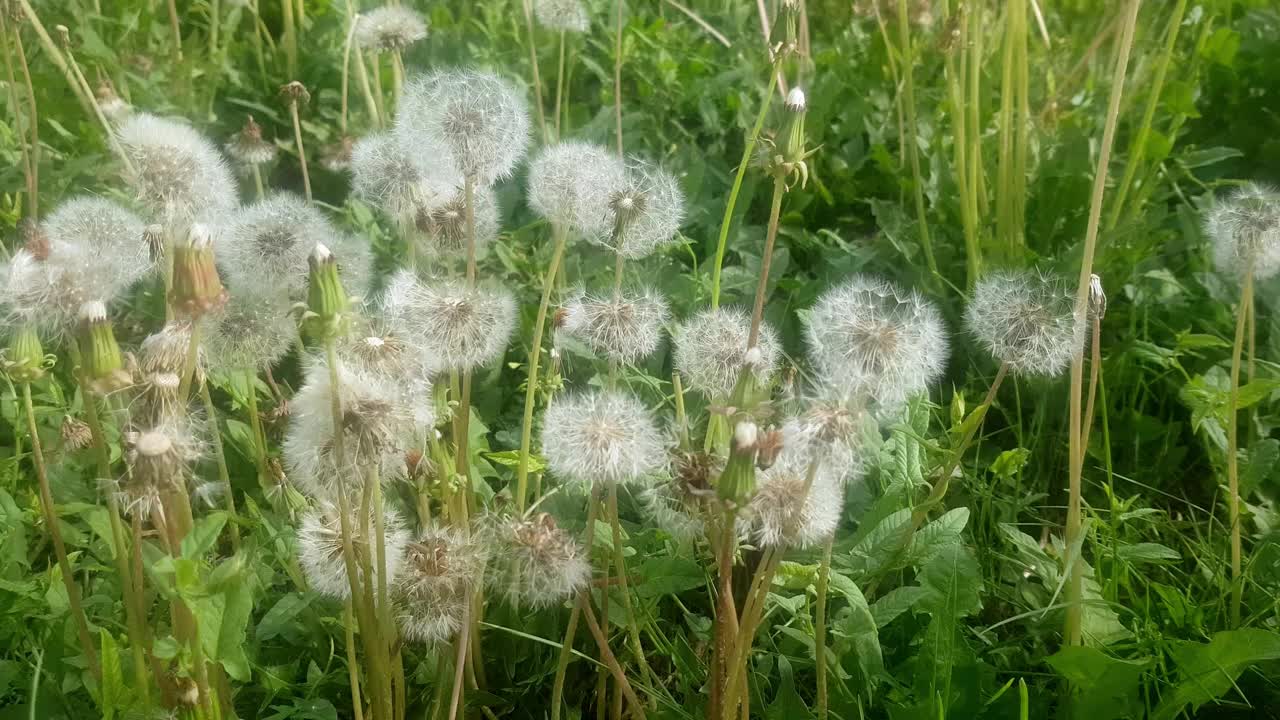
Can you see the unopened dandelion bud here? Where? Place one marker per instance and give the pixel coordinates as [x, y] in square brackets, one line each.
[24, 358]
[738, 481]
[103, 364]
[197, 289]
[795, 151]
[1097, 298]
[326, 298]
[64, 36]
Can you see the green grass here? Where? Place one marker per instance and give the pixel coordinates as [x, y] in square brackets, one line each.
[965, 620]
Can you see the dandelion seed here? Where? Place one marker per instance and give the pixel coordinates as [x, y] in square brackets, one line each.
[252, 331]
[383, 175]
[711, 351]
[179, 175]
[874, 338]
[625, 328]
[377, 427]
[604, 437]
[320, 548]
[1027, 321]
[561, 15]
[572, 183]
[88, 249]
[466, 327]
[389, 28]
[1245, 230]
[441, 570]
[478, 119]
[165, 351]
[645, 212]
[248, 148]
[538, 564]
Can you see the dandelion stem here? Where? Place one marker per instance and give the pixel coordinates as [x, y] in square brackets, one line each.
[302, 151]
[611, 662]
[376, 71]
[560, 89]
[820, 626]
[219, 454]
[533, 66]
[913, 151]
[366, 89]
[353, 664]
[766, 259]
[462, 419]
[397, 77]
[257, 41]
[346, 72]
[189, 364]
[535, 355]
[617, 73]
[459, 662]
[31, 148]
[107, 130]
[289, 38]
[54, 54]
[747, 150]
[257, 182]
[55, 534]
[620, 561]
[215, 19]
[1233, 439]
[175, 27]
[566, 645]
[255, 426]
[1072, 632]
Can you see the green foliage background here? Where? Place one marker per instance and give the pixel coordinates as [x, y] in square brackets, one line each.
[966, 622]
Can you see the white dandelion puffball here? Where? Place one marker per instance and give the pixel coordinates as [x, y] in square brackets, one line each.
[466, 328]
[442, 223]
[674, 503]
[253, 330]
[388, 28]
[561, 15]
[480, 119]
[625, 328]
[605, 437]
[441, 570]
[885, 342]
[178, 173]
[711, 351]
[536, 563]
[572, 183]
[320, 548]
[1245, 231]
[383, 175]
[161, 457]
[248, 148]
[377, 429]
[88, 249]
[403, 362]
[781, 513]
[1027, 321]
[267, 243]
[645, 213]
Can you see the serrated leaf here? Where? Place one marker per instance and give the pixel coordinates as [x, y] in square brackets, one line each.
[1102, 687]
[1148, 552]
[204, 535]
[1207, 670]
[928, 540]
[882, 545]
[113, 691]
[894, 603]
[952, 584]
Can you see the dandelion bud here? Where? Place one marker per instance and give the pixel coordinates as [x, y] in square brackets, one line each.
[794, 152]
[538, 563]
[1245, 231]
[24, 358]
[197, 289]
[295, 92]
[103, 364]
[248, 147]
[1026, 321]
[601, 437]
[737, 482]
[561, 15]
[1097, 298]
[390, 28]
[75, 433]
[326, 298]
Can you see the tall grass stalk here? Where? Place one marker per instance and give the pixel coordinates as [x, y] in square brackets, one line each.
[288, 37]
[54, 54]
[531, 33]
[1072, 631]
[956, 84]
[561, 90]
[30, 146]
[617, 73]
[175, 28]
[913, 148]
[1243, 316]
[50, 513]
[1011, 170]
[108, 131]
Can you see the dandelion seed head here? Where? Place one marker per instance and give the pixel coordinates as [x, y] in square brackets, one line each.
[248, 148]
[880, 340]
[537, 564]
[252, 331]
[442, 224]
[562, 15]
[383, 175]
[1027, 321]
[781, 514]
[572, 184]
[644, 213]
[675, 501]
[441, 570]
[161, 457]
[376, 428]
[466, 328]
[320, 547]
[165, 351]
[711, 351]
[388, 28]
[605, 437]
[480, 120]
[626, 328]
[404, 363]
[1245, 231]
[178, 174]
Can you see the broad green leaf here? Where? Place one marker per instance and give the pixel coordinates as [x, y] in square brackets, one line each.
[1010, 462]
[882, 545]
[860, 626]
[930, 539]
[235, 620]
[204, 535]
[1102, 687]
[113, 691]
[894, 603]
[1208, 670]
[952, 584]
[280, 619]
[669, 576]
[1148, 552]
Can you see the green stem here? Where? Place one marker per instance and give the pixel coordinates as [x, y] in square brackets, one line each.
[55, 534]
[560, 89]
[723, 241]
[566, 645]
[189, 364]
[219, 454]
[766, 259]
[624, 585]
[290, 39]
[820, 626]
[533, 66]
[1233, 439]
[353, 663]
[913, 151]
[535, 355]
[302, 151]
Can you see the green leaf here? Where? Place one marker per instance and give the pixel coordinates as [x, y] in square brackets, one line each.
[860, 626]
[930, 539]
[235, 619]
[952, 584]
[1206, 671]
[1148, 552]
[882, 545]
[669, 576]
[1010, 463]
[279, 620]
[895, 602]
[1102, 687]
[113, 690]
[1207, 157]
[204, 535]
